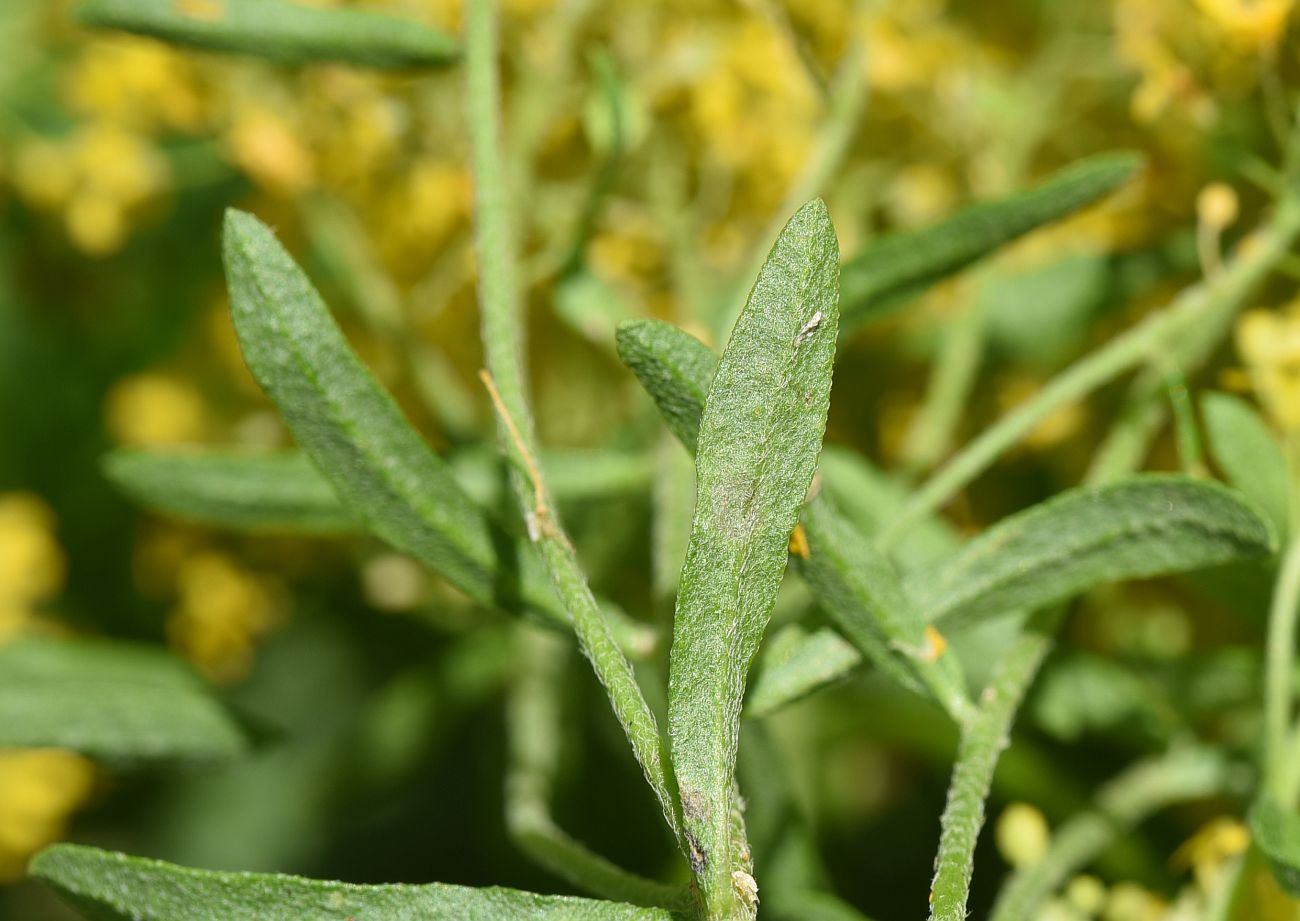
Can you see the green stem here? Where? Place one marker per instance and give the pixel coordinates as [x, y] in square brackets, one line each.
[535, 723]
[983, 739]
[952, 377]
[1197, 312]
[500, 306]
[1278, 674]
[1130, 798]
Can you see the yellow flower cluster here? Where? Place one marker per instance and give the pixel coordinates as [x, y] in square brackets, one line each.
[39, 789]
[1269, 344]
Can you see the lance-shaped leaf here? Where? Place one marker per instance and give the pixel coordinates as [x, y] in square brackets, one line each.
[1248, 454]
[382, 470]
[899, 265]
[759, 439]
[1145, 526]
[106, 886]
[856, 586]
[285, 32]
[1277, 834]
[280, 492]
[112, 701]
[795, 663]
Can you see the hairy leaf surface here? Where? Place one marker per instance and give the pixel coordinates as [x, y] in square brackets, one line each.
[112, 701]
[1141, 527]
[902, 264]
[289, 33]
[113, 887]
[758, 444]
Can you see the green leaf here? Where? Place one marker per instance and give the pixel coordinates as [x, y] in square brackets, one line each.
[356, 435]
[1141, 527]
[288, 33]
[1248, 454]
[112, 701]
[1277, 834]
[280, 492]
[856, 586]
[795, 663]
[114, 887]
[900, 265]
[758, 444]
[674, 367]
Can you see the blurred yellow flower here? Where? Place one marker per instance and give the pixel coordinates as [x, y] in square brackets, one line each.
[270, 151]
[222, 610]
[1255, 25]
[1269, 344]
[137, 81]
[1022, 835]
[31, 563]
[39, 788]
[1207, 851]
[154, 409]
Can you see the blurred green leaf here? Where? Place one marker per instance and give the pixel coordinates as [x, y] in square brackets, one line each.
[289, 33]
[759, 438]
[795, 663]
[112, 701]
[1277, 834]
[1145, 526]
[113, 887]
[248, 492]
[356, 435]
[899, 265]
[1245, 449]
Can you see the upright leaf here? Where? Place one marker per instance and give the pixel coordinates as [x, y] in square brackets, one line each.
[1248, 454]
[114, 887]
[1146, 526]
[1277, 834]
[247, 492]
[112, 701]
[900, 265]
[383, 471]
[674, 367]
[286, 32]
[758, 444]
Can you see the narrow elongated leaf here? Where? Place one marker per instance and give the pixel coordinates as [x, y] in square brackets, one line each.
[1277, 833]
[247, 492]
[897, 266]
[282, 31]
[1145, 526]
[113, 701]
[758, 444]
[355, 434]
[114, 887]
[1248, 454]
[853, 583]
[674, 367]
[796, 663]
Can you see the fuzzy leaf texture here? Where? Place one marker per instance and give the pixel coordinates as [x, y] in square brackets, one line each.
[1145, 526]
[1248, 454]
[112, 701]
[900, 265]
[285, 32]
[113, 887]
[1277, 833]
[759, 439]
[356, 435]
[280, 492]
[855, 585]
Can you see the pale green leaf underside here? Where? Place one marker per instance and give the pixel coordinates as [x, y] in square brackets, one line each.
[281, 492]
[894, 267]
[1138, 528]
[285, 32]
[112, 701]
[795, 665]
[759, 438]
[113, 887]
[1248, 454]
[355, 434]
[1277, 834]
